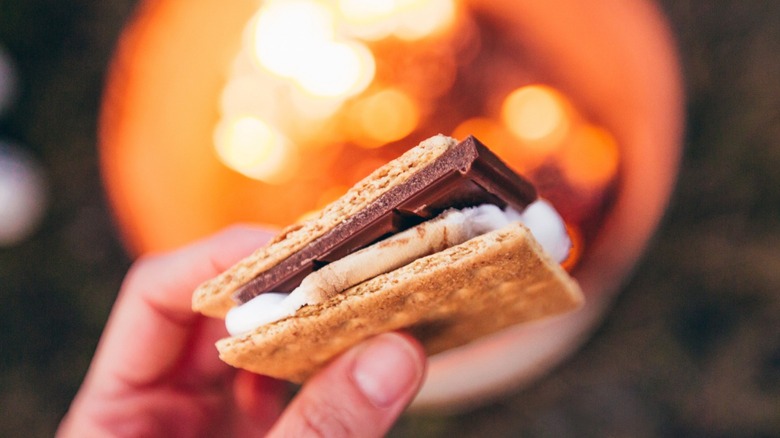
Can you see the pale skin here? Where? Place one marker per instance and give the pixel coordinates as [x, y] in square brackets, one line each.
[156, 371]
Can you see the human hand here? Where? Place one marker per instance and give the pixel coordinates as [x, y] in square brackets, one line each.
[156, 370]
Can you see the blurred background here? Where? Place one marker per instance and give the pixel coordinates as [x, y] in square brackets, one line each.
[691, 347]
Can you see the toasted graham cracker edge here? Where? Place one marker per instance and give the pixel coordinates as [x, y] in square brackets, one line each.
[213, 298]
[449, 298]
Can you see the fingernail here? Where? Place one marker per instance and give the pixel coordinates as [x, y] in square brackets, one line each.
[386, 369]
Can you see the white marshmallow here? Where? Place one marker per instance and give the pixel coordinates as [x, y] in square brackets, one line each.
[262, 309]
[540, 217]
[548, 229]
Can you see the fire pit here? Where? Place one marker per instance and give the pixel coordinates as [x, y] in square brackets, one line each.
[217, 115]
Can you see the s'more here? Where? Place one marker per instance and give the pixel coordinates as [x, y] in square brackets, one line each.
[445, 242]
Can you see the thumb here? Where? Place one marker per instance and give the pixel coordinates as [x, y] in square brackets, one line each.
[360, 394]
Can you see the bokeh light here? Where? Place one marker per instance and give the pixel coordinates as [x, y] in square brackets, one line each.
[488, 130]
[23, 195]
[383, 117]
[536, 114]
[590, 159]
[286, 33]
[336, 69]
[252, 147]
[302, 61]
[373, 20]
[369, 20]
[420, 18]
[501, 141]
[298, 40]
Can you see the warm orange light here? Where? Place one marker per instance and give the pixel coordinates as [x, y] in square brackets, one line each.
[536, 114]
[577, 247]
[331, 194]
[368, 20]
[336, 69]
[420, 18]
[303, 60]
[487, 130]
[298, 40]
[384, 117]
[373, 20]
[307, 109]
[591, 157]
[248, 94]
[296, 102]
[285, 33]
[250, 146]
[518, 155]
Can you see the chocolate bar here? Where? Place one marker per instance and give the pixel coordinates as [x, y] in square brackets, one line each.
[466, 175]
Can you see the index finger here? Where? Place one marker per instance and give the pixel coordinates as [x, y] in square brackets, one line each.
[152, 324]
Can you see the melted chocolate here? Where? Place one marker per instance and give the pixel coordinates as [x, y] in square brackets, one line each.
[466, 175]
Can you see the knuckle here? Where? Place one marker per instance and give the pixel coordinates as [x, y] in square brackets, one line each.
[139, 272]
[139, 268]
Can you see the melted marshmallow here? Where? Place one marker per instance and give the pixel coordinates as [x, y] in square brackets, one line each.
[540, 217]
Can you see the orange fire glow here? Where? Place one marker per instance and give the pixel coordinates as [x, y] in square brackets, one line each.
[384, 117]
[297, 40]
[537, 115]
[252, 147]
[313, 57]
[299, 112]
[405, 19]
[591, 158]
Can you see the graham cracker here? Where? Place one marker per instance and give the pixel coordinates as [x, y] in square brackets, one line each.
[446, 299]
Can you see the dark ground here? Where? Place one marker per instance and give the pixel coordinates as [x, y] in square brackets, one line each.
[692, 347]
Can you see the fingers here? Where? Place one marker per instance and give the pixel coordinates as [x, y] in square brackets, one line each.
[260, 400]
[152, 324]
[167, 280]
[360, 394]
